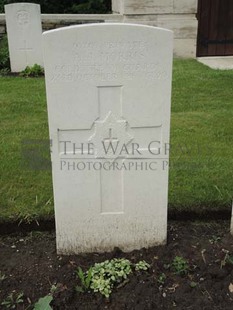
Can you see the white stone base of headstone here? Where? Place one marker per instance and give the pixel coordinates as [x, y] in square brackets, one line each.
[109, 84]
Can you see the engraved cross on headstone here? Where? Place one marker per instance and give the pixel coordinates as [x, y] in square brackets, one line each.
[110, 127]
[110, 138]
[109, 102]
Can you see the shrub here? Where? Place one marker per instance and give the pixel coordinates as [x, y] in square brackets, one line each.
[33, 71]
[91, 7]
[64, 6]
[4, 54]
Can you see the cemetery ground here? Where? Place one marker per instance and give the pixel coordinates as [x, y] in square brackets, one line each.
[201, 154]
[195, 269]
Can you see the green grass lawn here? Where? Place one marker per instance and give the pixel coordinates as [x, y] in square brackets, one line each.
[201, 173]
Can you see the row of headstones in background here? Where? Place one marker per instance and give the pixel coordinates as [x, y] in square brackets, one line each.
[24, 32]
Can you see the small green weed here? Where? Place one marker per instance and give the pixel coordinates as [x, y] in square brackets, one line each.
[12, 301]
[180, 265]
[33, 71]
[161, 279]
[214, 239]
[53, 289]
[228, 258]
[142, 265]
[193, 284]
[43, 303]
[85, 279]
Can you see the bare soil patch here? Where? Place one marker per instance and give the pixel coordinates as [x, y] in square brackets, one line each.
[30, 265]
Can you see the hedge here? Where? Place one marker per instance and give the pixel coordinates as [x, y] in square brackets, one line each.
[67, 6]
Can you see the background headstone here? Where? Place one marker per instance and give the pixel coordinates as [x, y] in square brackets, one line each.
[24, 32]
[109, 83]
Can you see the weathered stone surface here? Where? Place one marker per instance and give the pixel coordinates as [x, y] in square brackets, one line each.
[154, 6]
[185, 6]
[58, 18]
[184, 26]
[185, 48]
[117, 6]
[147, 6]
[109, 85]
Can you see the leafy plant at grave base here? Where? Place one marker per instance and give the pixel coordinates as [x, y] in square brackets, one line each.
[44, 303]
[102, 277]
[142, 265]
[108, 273]
[12, 301]
[34, 71]
[180, 265]
[161, 279]
[4, 56]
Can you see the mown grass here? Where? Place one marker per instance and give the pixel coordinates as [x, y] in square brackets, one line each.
[201, 174]
[24, 193]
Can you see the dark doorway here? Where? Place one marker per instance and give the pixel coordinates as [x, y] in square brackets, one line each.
[215, 28]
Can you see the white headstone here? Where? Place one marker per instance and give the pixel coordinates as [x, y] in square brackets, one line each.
[24, 34]
[108, 94]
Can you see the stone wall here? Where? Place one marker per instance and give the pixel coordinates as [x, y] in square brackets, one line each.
[53, 21]
[177, 15]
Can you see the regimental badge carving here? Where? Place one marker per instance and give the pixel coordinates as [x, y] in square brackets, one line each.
[110, 135]
[23, 18]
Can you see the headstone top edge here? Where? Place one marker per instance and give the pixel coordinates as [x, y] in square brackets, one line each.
[21, 4]
[102, 25]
